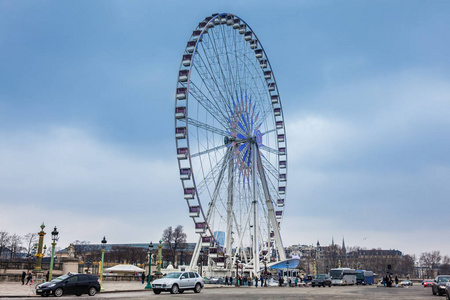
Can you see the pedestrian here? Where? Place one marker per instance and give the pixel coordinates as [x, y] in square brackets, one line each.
[396, 281]
[47, 276]
[296, 281]
[289, 281]
[262, 280]
[23, 277]
[143, 277]
[256, 281]
[30, 278]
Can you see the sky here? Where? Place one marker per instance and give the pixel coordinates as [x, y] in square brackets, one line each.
[87, 95]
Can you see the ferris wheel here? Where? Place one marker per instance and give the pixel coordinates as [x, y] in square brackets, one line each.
[231, 145]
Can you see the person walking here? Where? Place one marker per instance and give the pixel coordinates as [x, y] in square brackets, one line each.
[23, 277]
[296, 281]
[256, 281]
[143, 277]
[29, 277]
[262, 280]
[396, 281]
[47, 276]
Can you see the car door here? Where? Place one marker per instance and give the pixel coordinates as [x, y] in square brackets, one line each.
[83, 284]
[184, 280]
[192, 279]
[71, 285]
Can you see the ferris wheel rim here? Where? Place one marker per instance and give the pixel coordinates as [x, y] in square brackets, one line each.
[269, 68]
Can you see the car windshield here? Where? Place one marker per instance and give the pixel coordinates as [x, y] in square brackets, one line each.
[60, 278]
[173, 275]
[443, 279]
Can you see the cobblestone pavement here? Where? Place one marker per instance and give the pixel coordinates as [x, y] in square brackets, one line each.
[134, 290]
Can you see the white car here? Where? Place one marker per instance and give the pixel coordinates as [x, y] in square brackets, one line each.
[178, 282]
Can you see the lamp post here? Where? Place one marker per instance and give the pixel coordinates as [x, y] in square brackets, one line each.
[265, 272]
[39, 254]
[287, 270]
[101, 264]
[201, 262]
[149, 285]
[159, 260]
[55, 238]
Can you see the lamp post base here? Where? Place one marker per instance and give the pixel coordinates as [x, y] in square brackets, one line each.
[148, 287]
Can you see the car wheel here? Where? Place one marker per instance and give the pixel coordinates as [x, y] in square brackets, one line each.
[174, 289]
[157, 292]
[58, 292]
[197, 288]
[92, 291]
[180, 291]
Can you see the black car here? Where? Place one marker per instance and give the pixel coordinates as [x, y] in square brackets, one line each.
[76, 284]
[439, 284]
[321, 280]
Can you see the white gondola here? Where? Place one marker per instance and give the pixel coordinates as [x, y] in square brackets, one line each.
[187, 60]
[180, 132]
[223, 19]
[181, 93]
[220, 261]
[200, 227]
[183, 75]
[280, 138]
[279, 214]
[236, 23]
[182, 153]
[211, 24]
[217, 21]
[242, 29]
[213, 252]
[185, 173]
[248, 36]
[194, 211]
[190, 46]
[282, 177]
[180, 112]
[189, 193]
[230, 20]
[267, 74]
[282, 151]
[202, 25]
[282, 164]
[274, 99]
[277, 111]
[279, 124]
[263, 63]
[254, 44]
[258, 52]
[280, 202]
[282, 190]
[206, 241]
[196, 34]
[271, 86]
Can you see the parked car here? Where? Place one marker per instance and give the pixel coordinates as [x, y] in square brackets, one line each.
[440, 284]
[178, 282]
[75, 284]
[321, 280]
[427, 283]
[406, 283]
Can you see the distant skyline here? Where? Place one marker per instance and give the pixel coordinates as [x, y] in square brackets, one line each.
[87, 94]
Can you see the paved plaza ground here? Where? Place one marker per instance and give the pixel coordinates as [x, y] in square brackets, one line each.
[135, 290]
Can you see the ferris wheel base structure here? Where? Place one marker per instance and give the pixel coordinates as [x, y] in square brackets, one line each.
[231, 147]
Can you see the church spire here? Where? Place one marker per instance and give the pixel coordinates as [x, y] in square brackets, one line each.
[343, 245]
[332, 241]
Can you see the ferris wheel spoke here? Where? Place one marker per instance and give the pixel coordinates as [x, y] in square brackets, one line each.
[208, 151]
[268, 149]
[209, 177]
[207, 127]
[207, 104]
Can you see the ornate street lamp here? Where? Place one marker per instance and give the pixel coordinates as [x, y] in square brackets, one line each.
[101, 264]
[39, 254]
[55, 238]
[159, 260]
[149, 277]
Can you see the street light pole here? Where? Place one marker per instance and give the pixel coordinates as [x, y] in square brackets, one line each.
[201, 262]
[40, 253]
[101, 264]
[55, 238]
[149, 285]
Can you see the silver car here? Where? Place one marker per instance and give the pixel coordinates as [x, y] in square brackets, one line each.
[178, 282]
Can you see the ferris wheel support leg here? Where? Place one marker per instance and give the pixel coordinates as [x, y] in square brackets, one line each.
[255, 215]
[229, 208]
[195, 255]
[270, 210]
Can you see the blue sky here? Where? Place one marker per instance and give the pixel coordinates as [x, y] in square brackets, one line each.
[86, 117]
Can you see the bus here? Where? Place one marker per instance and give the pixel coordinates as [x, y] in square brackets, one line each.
[364, 277]
[343, 276]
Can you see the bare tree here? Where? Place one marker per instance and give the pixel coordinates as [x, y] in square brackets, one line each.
[30, 239]
[430, 260]
[15, 245]
[4, 241]
[82, 249]
[175, 240]
[445, 266]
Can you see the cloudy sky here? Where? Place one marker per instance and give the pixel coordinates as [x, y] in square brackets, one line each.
[86, 117]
